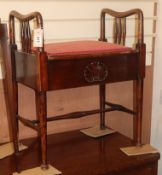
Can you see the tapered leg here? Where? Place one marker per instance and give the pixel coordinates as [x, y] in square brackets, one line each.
[102, 106]
[138, 106]
[12, 91]
[135, 110]
[14, 117]
[41, 110]
[11, 100]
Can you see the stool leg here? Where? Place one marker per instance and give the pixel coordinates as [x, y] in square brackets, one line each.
[138, 106]
[102, 106]
[15, 128]
[41, 110]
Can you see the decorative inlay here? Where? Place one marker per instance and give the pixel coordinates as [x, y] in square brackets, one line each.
[95, 72]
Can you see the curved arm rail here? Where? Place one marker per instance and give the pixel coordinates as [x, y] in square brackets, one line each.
[120, 26]
[25, 31]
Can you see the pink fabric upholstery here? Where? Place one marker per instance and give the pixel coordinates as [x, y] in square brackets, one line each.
[83, 48]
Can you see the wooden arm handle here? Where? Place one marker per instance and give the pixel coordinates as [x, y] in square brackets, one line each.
[120, 15]
[23, 19]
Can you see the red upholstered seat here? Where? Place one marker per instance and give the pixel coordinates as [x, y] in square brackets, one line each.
[75, 48]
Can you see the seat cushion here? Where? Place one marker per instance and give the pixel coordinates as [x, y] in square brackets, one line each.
[75, 48]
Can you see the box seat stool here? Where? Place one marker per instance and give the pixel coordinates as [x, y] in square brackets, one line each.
[56, 66]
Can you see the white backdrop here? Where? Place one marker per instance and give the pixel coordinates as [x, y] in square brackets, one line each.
[156, 130]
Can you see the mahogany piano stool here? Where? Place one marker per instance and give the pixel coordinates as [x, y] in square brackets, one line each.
[77, 64]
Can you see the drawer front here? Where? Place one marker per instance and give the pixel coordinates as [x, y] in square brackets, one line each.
[64, 74]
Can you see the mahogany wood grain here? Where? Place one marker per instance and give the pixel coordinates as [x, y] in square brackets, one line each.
[67, 74]
[75, 153]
